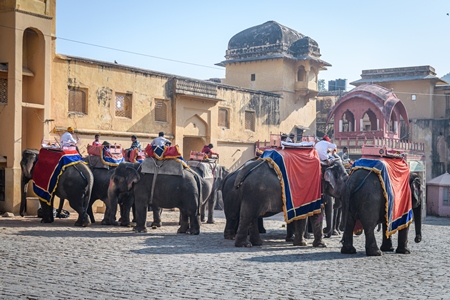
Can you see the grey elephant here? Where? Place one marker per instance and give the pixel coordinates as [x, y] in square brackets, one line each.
[365, 201]
[74, 184]
[102, 177]
[212, 175]
[182, 189]
[255, 191]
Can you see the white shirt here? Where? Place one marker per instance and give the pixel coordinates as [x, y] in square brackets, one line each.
[160, 141]
[322, 149]
[67, 139]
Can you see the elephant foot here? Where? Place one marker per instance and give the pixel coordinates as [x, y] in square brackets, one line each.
[387, 248]
[243, 244]
[125, 224]
[229, 235]
[156, 224]
[256, 242]
[403, 250]
[348, 250]
[106, 222]
[193, 231]
[307, 235]
[181, 230]
[299, 242]
[319, 244]
[327, 235]
[140, 229]
[374, 252]
[211, 221]
[203, 220]
[418, 238]
[289, 238]
[47, 221]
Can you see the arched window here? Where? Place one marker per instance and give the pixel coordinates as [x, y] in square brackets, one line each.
[393, 123]
[301, 74]
[348, 121]
[369, 121]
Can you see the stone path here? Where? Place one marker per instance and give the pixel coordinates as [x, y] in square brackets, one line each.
[60, 261]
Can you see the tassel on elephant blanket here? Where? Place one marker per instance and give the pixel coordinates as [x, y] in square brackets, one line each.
[50, 165]
[300, 178]
[393, 174]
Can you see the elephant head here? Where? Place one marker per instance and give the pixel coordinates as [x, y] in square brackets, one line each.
[124, 177]
[334, 178]
[27, 163]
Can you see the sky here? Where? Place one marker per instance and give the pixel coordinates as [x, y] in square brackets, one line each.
[188, 38]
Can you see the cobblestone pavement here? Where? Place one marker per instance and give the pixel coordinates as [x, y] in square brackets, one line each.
[60, 261]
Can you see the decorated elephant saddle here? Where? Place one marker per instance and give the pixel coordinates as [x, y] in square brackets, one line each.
[101, 156]
[298, 170]
[393, 174]
[173, 167]
[49, 166]
[207, 168]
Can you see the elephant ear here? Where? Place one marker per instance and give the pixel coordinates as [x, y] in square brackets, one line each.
[132, 177]
[328, 177]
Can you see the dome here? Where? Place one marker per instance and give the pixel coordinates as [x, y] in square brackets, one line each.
[269, 33]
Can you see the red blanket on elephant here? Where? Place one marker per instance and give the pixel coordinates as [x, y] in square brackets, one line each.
[300, 178]
[48, 168]
[393, 174]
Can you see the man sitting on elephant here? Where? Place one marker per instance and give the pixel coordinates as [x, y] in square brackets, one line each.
[207, 150]
[323, 147]
[161, 141]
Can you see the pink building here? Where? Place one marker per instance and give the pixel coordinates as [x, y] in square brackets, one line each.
[438, 192]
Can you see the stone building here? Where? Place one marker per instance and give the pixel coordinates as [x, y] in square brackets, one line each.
[426, 98]
[270, 85]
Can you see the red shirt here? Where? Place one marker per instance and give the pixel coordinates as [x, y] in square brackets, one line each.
[95, 143]
[208, 151]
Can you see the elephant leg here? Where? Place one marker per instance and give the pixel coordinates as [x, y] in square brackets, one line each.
[89, 210]
[337, 213]
[157, 217]
[418, 223]
[81, 208]
[299, 227]
[308, 230]
[184, 222]
[347, 237]
[403, 241]
[255, 238]
[203, 212]
[328, 215]
[317, 223]
[242, 232]
[211, 205]
[141, 213]
[386, 245]
[194, 224]
[261, 228]
[371, 242]
[290, 229]
[231, 227]
[47, 213]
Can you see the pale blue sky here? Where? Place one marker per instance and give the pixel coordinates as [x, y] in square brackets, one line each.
[352, 35]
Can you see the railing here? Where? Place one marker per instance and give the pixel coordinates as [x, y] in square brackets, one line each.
[354, 145]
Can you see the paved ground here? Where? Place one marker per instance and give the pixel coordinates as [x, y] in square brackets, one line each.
[60, 261]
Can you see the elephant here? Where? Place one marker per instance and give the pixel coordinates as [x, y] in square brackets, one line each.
[210, 185]
[255, 191]
[364, 200]
[74, 184]
[170, 191]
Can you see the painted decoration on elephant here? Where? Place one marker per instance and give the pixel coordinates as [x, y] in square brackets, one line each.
[108, 157]
[49, 166]
[300, 178]
[393, 174]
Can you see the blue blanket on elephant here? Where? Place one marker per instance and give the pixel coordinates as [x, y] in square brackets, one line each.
[300, 178]
[49, 166]
[393, 174]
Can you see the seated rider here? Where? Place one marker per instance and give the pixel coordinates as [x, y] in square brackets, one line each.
[322, 149]
[207, 150]
[96, 141]
[67, 138]
[135, 144]
[161, 141]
